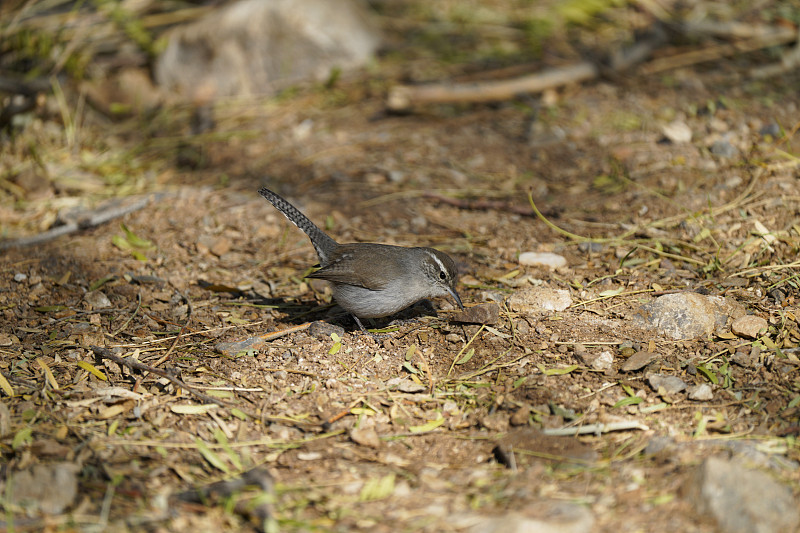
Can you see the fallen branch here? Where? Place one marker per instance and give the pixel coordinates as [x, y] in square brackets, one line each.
[88, 220]
[403, 97]
[751, 38]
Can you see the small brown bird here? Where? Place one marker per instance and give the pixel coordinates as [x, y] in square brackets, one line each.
[374, 280]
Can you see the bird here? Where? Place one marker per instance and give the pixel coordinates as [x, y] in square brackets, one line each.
[371, 280]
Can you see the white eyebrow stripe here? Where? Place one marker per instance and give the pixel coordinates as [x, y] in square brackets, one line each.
[438, 262]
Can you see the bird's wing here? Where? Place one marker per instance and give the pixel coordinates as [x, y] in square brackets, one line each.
[340, 270]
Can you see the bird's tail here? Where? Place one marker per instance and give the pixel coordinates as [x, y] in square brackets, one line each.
[323, 244]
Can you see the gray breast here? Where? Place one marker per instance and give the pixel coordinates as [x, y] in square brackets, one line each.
[365, 303]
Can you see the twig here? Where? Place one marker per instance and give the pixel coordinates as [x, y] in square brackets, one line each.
[597, 429]
[403, 97]
[480, 205]
[135, 312]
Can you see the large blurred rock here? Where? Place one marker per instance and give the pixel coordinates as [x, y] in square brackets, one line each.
[249, 46]
[688, 315]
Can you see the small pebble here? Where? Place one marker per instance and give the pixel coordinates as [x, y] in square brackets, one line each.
[322, 330]
[638, 361]
[520, 416]
[19, 277]
[220, 246]
[496, 422]
[669, 384]
[747, 359]
[749, 326]
[772, 129]
[604, 361]
[309, 456]
[702, 392]
[97, 300]
[593, 247]
[687, 315]
[479, 314]
[677, 132]
[365, 437]
[723, 148]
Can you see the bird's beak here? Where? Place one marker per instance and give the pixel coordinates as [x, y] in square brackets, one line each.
[456, 297]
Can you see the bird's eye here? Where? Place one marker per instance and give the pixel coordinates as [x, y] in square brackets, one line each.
[442, 275]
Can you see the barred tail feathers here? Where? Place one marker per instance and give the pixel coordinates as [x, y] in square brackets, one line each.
[323, 244]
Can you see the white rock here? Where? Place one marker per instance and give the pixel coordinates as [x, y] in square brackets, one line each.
[701, 393]
[545, 259]
[539, 300]
[677, 132]
[604, 361]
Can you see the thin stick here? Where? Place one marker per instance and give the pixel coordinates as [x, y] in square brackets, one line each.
[141, 367]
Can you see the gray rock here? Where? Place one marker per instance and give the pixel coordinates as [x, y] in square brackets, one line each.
[659, 445]
[748, 359]
[251, 47]
[47, 488]
[741, 500]
[723, 148]
[322, 330]
[688, 315]
[749, 326]
[593, 247]
[772, 129]
[667, 384]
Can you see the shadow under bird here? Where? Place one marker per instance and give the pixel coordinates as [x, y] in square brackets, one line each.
[374, 280]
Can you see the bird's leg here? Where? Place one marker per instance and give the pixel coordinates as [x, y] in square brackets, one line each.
[360, 325]
[375, 336]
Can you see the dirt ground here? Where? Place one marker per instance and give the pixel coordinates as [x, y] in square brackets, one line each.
[401, 433]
